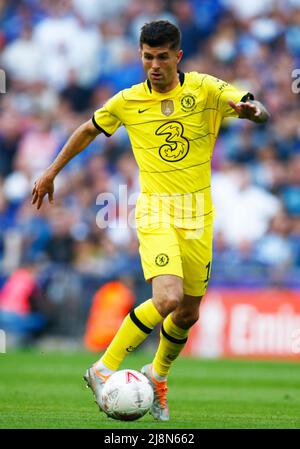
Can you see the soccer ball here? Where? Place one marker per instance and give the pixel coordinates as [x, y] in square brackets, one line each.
[127, 395]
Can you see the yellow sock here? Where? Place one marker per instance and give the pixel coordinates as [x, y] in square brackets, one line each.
[135, 328]
[172, 341]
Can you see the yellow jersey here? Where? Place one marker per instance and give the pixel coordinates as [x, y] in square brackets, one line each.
[172, 136]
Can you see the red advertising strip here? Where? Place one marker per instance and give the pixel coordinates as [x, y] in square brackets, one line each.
[247, 323]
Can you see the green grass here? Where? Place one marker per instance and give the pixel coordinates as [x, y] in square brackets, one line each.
[45, 390]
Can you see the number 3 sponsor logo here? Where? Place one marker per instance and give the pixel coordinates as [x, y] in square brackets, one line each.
[176, 146]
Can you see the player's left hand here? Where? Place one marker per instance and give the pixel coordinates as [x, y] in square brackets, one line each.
[246, 109]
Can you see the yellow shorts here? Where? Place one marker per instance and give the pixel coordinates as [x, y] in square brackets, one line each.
[182, 252]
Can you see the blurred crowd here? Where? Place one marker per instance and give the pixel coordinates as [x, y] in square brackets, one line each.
[64, 59]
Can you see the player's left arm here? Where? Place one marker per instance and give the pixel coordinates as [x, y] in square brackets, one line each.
[251, 109]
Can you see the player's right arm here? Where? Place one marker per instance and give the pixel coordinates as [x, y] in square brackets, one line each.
[77, 142]
[105, 120]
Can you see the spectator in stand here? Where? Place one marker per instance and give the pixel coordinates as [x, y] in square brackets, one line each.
[190, 31]
[9, 141]
[295, 240]
[243, 211]
[291, 193]
[21, 305]
[23, 58]
[151, 10]
[61, 246]
[37, 147]
[275, 248]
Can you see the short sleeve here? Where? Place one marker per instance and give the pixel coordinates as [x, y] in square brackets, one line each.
[107, 119]
[221, 92]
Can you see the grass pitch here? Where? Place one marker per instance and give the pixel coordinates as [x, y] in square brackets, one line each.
[45, 391]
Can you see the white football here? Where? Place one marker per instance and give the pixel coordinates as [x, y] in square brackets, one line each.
[127, 395]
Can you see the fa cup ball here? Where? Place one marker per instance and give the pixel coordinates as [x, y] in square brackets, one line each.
[127, 395]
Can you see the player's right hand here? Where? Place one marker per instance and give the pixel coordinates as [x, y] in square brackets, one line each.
[43, 186]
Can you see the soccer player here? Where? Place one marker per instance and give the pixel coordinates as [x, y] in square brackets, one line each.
[172, 119]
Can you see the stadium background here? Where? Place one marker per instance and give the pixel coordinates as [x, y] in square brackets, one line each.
[62, 61]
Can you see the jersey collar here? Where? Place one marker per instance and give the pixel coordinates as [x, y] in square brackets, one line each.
[181, 81]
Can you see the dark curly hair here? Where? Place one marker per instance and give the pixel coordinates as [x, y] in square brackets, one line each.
[159, 33]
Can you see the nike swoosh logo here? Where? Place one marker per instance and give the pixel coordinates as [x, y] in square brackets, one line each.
[142, 110]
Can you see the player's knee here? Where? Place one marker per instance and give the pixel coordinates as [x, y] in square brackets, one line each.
[172, 301]
[167, 301]
[184, 319]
